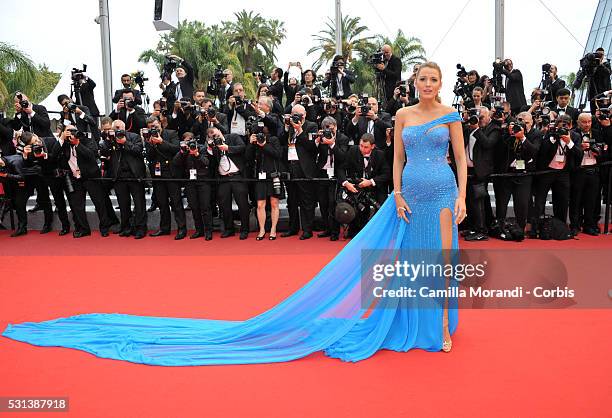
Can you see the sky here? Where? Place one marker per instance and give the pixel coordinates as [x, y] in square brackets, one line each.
[63, 34]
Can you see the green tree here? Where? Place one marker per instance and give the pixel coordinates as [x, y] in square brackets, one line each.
[17, 72]
[409, 50]
[250, 33]
[45, 82]
[353, 40]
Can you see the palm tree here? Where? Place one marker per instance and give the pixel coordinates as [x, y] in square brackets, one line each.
[17, 72]
[250, 32]
[353, 40]
[409, 50]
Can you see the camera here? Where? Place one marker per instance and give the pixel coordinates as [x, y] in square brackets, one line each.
[327, 133]
[276, 182]
[217, 141]
[328, 105]
[77, 75]
[376, 58]
[263, 77]
[296, 118]
[518, 127]
[37, 149]
[474, 115]
[71, 106]
[168, 68]
[335, 67]
[546, 68]
[120, 133]
[255, 126]
[211, 112]
[154, 132]
[604, 113]
[403, 92]
[22, 102]
[589, 63]
[139, 79]
[129, 103]
[461, 72]
[240, 101]
[188, 146]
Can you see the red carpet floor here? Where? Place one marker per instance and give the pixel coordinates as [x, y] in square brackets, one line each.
[544, 363]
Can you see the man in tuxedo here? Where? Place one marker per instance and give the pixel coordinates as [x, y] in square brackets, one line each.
[399, 99]
[515, 92]
[127, 83]
[552, 84]
[228, 152]
[562, 106]
[480, 139]
[238, 111]
[300, 154]
[123, 152]
[30, 117]
[161, 147]
[365, 169]
[368, 120]
[333, 146]
[79, 162]
[339, 79]
[209, 117]
[561, 152]
[224, 89]
[130, 113]
[7, 146]
[79, 116]
[276, 85]
[184, 87]
[391, 71]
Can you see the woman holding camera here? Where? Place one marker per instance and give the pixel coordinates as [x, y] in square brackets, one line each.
[264, 153]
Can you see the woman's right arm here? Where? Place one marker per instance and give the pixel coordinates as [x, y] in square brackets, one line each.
[399, 158]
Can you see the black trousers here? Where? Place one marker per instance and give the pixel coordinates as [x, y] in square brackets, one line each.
[129, 192]
[199, 198]
[23, 193]
[301, 196]
[107, 186]
[239, 191]
[519, 188]
[584, 198]
[57, 187]
[559, 183]
[326, 192]
[77, 200]
[168, 194]
[475, 205]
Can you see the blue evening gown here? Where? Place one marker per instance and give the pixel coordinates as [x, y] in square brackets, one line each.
[328, 313]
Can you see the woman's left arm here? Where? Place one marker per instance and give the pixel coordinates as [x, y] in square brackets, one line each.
[456, 136]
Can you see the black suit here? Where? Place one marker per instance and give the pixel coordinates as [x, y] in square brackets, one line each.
[346, 80]
[570, 111]
[392, 74]
[134, 122]
[515, 92]
[185, 84]
[55, 183]
[301, 194]
[276, 90]
[552, 87]
[6, 138]
[85, 123]
[381, 124]
[88, 99]
[38, 124]
[119, 95]
[160, 157]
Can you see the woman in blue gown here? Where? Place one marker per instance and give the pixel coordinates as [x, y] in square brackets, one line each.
[335, 311]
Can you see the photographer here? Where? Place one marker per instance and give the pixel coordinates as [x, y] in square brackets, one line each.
[300, 154]
[161, 146]
[79, 116]
[184, 73]
[30, 117]
[596, 67]
[584, 205]
[193, 162]
[122, 152]
[515, 92]
[221, 86]
[477, 98]
[129, 113]
[264, 91]
[333, 146]
[560, 150]
[276, 85]
[263, 153]
[209, 117]
[330, 108]
[519, 149]
[238, 110]
[399, 99]
[368, 120]
[562, 106]
[308, 82]
[7, 147]
[339, 79]
[365, 170]
[80, 167]
[183, 116]
[84, 95]
[306, 98]
[128, 83]
[552, 82]
[28, 166]
[481, 135]
[228, 151]
[390, 69]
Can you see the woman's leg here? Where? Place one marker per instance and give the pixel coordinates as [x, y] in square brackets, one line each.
[261, 217]
[275, 212]
[446, 235]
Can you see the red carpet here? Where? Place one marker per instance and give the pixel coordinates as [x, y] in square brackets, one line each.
[503, 363]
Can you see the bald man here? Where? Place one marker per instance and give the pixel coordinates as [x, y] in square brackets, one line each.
[391, 71]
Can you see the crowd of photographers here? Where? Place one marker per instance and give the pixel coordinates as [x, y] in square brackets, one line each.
[311, 142]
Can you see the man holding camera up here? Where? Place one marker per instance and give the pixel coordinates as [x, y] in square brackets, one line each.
[597, 68]
[333, 146]
[339, 79]
[552, 82]
[161, 146]
[560, 151]
[79, 162]
[518, 151]
[584, 204]
[129, 112]
[238, 110]
[222, 87]
[124, 160]
[391, 70]
[30, 117]
[229, 154]
[368, 120]
[79, 116]
[399, 99]
[127, 83]
[193, 162]
[365, 171]
[515, 92]
[300, 153]
[209, 117]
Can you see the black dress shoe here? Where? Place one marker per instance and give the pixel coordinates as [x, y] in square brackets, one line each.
[207, 235]
[139, 235]
[306, 235]
[36, 208]
[46, 229]
[476, 236]
[197, 234]
[80, 234]
[125, 233]
[19, 232]
[324, 234]
[181, 234]
[152, 208]
[65, 230]
[228, 234]
[333, 238]
[104, 233]
[288, 234]
[244, 235]
[591, 231]
[159, 233]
